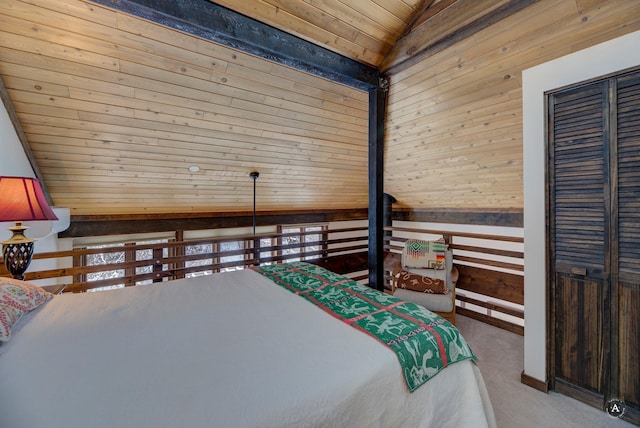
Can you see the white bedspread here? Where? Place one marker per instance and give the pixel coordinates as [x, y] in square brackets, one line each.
[228, 350]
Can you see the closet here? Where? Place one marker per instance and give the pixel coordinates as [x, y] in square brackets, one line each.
[593, 188]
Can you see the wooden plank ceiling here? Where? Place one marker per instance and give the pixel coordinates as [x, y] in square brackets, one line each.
[126, 116]
[365, 30]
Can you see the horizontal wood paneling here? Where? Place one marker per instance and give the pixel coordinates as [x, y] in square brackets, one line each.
[457, 20]
[116, 109]
[454, 125]
[222, 25]
[492, 283]
[506, 218]
[364, 29]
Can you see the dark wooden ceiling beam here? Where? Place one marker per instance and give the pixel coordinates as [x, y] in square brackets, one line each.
[421, 15]
[104, 225]
[507, 217]
[429, 13]
[210, 21]
[461, 19]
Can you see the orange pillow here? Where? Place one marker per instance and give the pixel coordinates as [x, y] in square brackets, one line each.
[423, 284]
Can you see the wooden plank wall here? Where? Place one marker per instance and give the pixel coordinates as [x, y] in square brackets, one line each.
[116, 108]
[454, 124]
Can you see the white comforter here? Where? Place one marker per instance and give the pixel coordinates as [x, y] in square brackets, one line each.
[229, 350]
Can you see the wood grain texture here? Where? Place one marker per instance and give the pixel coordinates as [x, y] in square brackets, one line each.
[500, 285]
[365, 30]
[579, 336]
[116, 109]
[593, 188]
[629, 344]
[438, 28]
[454, 123]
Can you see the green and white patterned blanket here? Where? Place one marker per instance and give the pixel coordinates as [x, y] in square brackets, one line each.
[424, 342]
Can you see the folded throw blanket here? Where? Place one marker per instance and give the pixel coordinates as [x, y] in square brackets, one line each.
[423, 284]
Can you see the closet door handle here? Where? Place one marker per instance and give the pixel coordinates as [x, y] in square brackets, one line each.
[579, 271]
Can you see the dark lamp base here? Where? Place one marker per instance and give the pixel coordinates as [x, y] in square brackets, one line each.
[17, 258]
[17, 252]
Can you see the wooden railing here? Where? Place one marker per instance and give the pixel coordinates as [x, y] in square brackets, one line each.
[490, 286]
[341, 250]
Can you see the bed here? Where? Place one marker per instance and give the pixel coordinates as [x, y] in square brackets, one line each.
[235, 349]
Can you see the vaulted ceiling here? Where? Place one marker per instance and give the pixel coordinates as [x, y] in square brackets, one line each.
[364, 30]
[123, 115]
[381, 33]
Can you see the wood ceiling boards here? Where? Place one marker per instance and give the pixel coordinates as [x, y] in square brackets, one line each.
[116, 108]
[364, 30]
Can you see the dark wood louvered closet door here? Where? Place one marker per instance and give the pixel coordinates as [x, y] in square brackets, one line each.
[594, 248]
[579, 185]
[628, 249]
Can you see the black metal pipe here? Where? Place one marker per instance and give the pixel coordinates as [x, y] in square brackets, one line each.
[254, 176]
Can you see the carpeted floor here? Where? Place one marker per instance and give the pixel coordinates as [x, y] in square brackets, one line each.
[501, 355]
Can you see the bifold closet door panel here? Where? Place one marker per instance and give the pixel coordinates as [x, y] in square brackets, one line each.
[628, 251]
[579, 189]
[579, 338]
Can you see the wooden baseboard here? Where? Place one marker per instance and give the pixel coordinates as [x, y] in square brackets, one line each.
[632, 415]
[589, 397]
[534, 383]
[596, 400]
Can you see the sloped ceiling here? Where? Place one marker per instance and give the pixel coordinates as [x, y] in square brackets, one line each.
[364, 30]
[126, 116]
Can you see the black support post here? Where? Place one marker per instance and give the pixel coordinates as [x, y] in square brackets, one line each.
[377, 105]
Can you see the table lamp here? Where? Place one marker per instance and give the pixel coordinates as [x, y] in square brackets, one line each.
[21, 199]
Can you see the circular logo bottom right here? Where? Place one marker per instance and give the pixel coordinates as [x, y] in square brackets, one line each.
[615, 407]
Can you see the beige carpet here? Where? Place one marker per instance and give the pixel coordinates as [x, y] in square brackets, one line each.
[500, 354]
